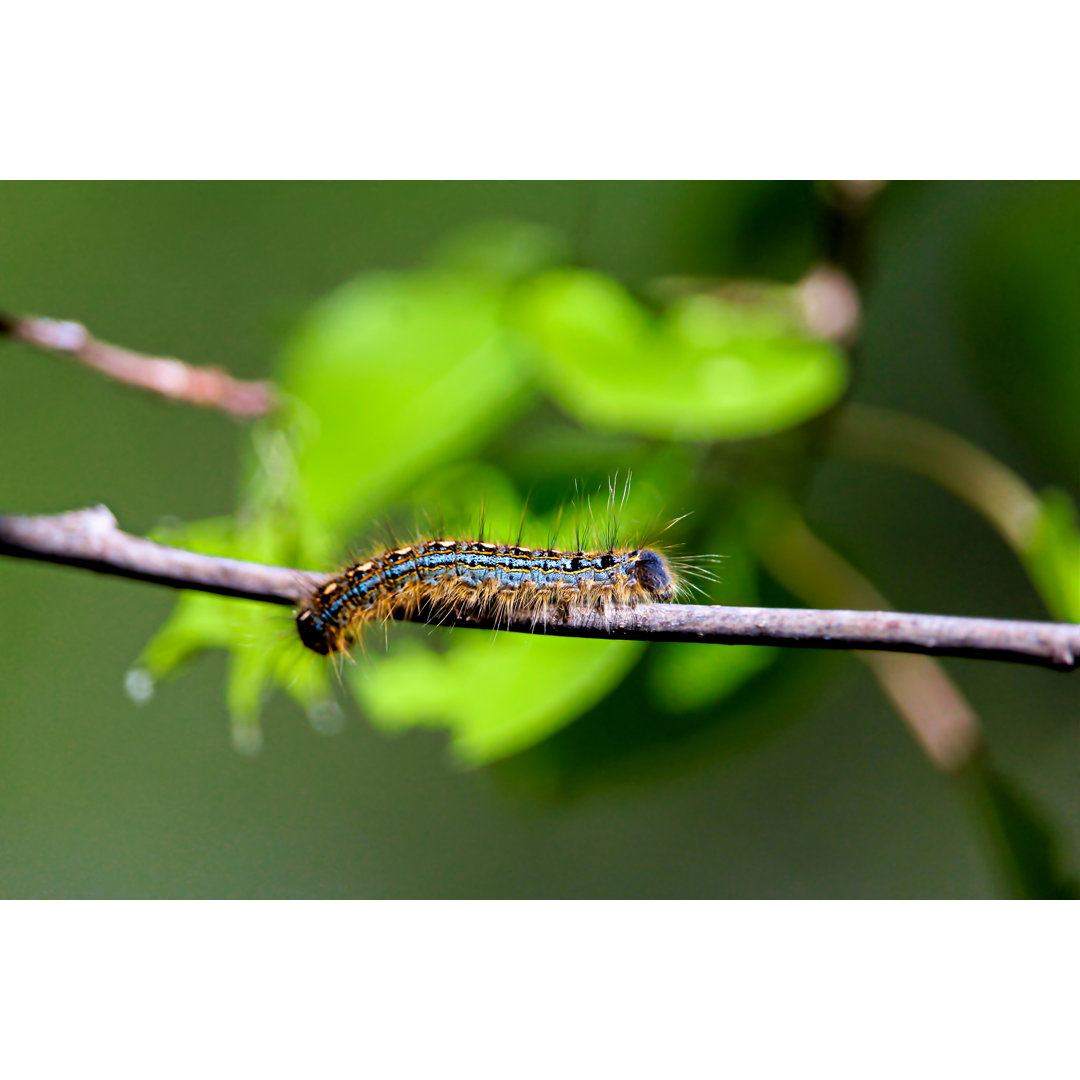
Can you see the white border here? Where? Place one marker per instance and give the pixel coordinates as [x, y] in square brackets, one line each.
[562, 90]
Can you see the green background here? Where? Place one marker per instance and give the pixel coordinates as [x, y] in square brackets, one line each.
[826, 795]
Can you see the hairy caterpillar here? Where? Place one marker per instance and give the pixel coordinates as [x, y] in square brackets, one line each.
[471, 577]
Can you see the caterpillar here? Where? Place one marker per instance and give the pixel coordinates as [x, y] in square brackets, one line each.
[483, 580]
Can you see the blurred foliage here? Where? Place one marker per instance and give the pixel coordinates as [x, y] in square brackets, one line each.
[402, 391]
[1052, 555]
[398, 387]
[513, 371]
[397, 374]
[708, 368]
[500, 380]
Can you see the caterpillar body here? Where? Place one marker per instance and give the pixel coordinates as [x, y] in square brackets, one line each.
[461, 578]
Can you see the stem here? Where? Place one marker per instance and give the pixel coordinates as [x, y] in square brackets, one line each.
[208, 387]
[92, 539]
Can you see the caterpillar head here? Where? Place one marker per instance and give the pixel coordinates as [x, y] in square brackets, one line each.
[313, 632]
[654, 575]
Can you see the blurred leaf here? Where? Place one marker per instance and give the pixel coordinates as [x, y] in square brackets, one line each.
[1053, 555]
[1023, 319]
[264, 651]
[620, 741]
[453, 500]
[709, 369]
[1028, 853]
[398, 372]
[251, 673]
[198, 622]
[497, 694]
[689, 676]
[201, 621]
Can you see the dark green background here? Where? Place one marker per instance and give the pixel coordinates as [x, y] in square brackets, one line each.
[99, 798]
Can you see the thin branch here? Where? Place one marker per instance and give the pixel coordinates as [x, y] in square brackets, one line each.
[205, 386]
[92, 539]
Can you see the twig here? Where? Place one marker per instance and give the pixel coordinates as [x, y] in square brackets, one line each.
[205, 386]
[92, 539]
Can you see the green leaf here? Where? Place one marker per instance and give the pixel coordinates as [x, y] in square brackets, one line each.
[453, 500]
[688, 677]
[496, 695]
[250, 678]
[397, 373]
[198, 622]
[263, 650]
[201, 621]
[709, 369]
[1053, 555]
[622, 741]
